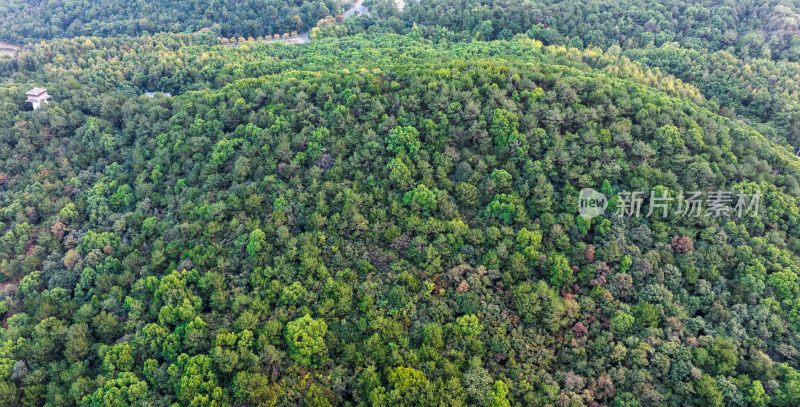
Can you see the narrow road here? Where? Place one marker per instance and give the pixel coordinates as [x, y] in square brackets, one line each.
[7, 48]
[357, 9]
[300, 39]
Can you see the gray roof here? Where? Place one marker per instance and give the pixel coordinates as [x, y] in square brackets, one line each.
[35, 91]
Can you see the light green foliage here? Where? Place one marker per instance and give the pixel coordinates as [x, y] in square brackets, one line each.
[504, 129]
[30, 284]
[560, 271]
[196, 383]
[499, 397]
[708, 388]
[467, 193]
[305, 337]
[622, 323]
[785, 284]
[502, 207]
[723, 355]
[399, 172]
[408, 387]
[224, 150]
[176, 299]
[469, 325]
[68, 213]
[529, 242]
[256, 243]
[625, 264]
[403, 139]
[421, 199]
[119, 358]
[294, 294]
[668, 138]
[647, 315]
[757, 396]
[195, 335]
[122, 199]
[124, 390]
[150, 226]
[98, 240]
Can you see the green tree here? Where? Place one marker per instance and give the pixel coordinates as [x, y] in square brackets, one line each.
[196, 382]
[503, 207]
[403, 139]
[119, 358]
[421, 199]
[254, 389]
[305, 337]
[560, 271]
[709, 391]
[499, 397]
[540, 304]
[723, 355]
[126, 389]
[256, 243]
[399, 172]
[622, 322]
[409, 387]
[504, 128]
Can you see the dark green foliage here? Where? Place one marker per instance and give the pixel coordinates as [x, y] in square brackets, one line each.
[26, 21]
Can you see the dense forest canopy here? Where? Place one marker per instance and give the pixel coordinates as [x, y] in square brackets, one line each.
[390, 216]
[746, 28]
[31, 20]
[742, 55]
[749, 28]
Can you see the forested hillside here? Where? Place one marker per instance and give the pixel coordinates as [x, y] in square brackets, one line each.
[742, 55]
[389, 215]
[31, 20]
[381, 220]
[747, 28]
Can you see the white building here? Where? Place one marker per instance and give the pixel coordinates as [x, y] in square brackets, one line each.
[37, 96]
